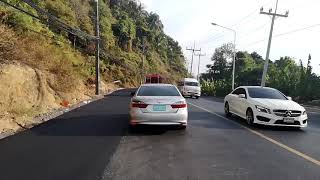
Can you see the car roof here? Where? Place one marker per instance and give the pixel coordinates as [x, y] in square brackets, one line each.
[246, 87]
[190, 79]
[156, 85]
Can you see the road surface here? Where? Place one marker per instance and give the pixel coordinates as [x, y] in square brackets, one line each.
[93, 142]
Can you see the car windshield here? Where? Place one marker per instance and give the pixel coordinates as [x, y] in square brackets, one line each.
[265, 93]
[158, 91]
[191, 83]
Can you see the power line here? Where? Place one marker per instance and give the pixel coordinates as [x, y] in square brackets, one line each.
[222, 34]
[254, 30]
[47, 17]
[193, 50]
[20, 9]
[283, 34]
[297, 30]
[253, 12]
[51, 18]
[199, 55]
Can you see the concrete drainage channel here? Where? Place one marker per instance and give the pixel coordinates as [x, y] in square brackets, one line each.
[51, 115]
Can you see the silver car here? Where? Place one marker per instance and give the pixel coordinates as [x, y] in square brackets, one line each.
[158, 104]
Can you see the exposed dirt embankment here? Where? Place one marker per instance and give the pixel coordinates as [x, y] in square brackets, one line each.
[26, 92]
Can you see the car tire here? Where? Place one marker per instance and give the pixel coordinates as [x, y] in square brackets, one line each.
[182, 127]
[250, 117]
[227, 110]
[132, 128]
[197, 97]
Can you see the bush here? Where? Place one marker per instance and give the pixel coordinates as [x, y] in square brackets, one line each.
[218, 88]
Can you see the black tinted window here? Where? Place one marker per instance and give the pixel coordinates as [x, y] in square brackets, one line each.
[240, 91]
[191, 83]
[158, 91]
[265, 93]
[237, 92]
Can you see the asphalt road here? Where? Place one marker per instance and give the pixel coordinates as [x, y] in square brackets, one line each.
[93, 142]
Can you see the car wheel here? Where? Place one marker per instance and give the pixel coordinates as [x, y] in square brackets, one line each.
[227, 110]
[197, 97]
[250, 117]
[182, 127]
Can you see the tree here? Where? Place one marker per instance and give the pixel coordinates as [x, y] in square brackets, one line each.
[125, 30]
[220, 67]
[257, 58]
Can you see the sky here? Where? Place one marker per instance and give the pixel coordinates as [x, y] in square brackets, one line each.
[189, 21]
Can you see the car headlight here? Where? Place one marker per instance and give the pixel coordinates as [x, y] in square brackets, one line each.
[263, 109]
[304, 113]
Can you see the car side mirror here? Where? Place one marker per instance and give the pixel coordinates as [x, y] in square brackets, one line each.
[289, 98]
[242, 96]
[132, 93]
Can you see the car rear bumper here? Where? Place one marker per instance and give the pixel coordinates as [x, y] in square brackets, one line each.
[178, 118]
[184, 93]
[273, 120]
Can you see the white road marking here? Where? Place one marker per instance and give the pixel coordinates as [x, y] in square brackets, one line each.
[296, 152]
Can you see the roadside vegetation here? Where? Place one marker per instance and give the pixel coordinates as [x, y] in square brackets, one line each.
[294, 79]
[43, 65]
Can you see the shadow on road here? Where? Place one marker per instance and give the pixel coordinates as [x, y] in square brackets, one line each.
[207, 120]
[123, 92]
[91, 125]
[264, 127]
[75, 145]
[148, 130]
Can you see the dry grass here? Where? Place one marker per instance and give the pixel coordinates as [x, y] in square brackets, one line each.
[42, 53]
[8, 42]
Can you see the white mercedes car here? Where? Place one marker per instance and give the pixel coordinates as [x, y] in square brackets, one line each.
[158, 104]
[263, 105]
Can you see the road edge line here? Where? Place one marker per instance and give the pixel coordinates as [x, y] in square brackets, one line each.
[275, 142]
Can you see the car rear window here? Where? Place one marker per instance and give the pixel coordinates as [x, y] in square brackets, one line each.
[191, 83]
[158, 91]
[265, 93]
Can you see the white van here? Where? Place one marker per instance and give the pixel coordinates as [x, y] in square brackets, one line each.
[190, 87]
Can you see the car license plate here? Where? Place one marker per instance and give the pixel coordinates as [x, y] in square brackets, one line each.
[288, 120]
[159, 108]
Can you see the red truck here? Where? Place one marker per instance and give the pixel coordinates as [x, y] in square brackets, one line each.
[154, 79]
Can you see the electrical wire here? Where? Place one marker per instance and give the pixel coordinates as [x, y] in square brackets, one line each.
[20, 9]
[239, 23]
[50, 18]
[253, 30]
[253, 12]
[282, 34]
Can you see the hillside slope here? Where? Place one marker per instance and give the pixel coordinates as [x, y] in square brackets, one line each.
[43, 65]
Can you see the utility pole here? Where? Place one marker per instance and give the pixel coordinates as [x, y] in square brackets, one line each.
[143, 57]
[199, 55]
[274, 15]
[97, 49]
[193, 50]
[171, 57]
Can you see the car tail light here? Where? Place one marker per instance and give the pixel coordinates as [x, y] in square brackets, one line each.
[180, 104]
[138, 104]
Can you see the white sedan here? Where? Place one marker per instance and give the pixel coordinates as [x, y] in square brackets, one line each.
[158, 104]
[263, 105]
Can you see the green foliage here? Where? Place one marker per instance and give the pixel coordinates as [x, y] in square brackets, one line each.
[62, 10]
[125, 30]
[17, 19]
[283, 74]
[218, 88]
[128, 34]
[81, 10]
